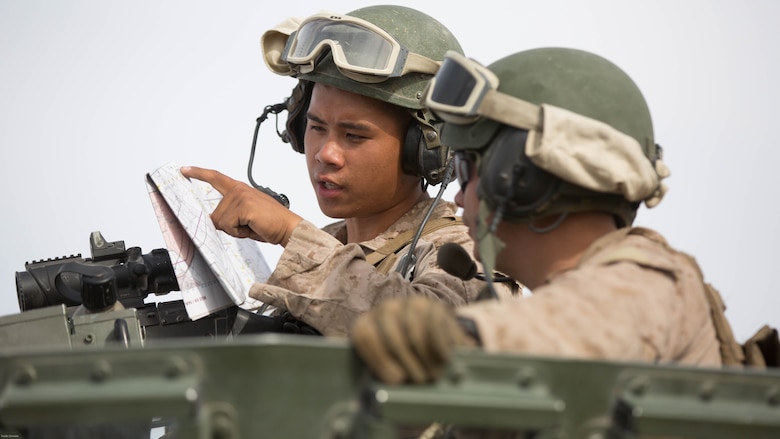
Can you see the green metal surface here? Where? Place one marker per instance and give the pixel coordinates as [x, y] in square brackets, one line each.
[277, 385]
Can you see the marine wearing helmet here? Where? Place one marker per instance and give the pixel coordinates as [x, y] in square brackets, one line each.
[388, 53]
[554, 131]
[370, 146]
[586, 133]
[554, 153]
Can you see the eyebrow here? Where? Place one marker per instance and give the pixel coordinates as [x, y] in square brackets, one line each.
[357, 126]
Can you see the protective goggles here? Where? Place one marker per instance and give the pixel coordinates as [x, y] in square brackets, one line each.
[464, 90]
[361, 50]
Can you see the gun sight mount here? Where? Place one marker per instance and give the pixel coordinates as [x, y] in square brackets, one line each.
[112, 274]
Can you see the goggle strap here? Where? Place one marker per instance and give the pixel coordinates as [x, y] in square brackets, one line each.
[414, 63]
[511, 111]
[361, 77]
[304, 68]
[420, 64]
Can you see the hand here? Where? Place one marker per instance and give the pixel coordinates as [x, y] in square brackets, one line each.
[408, 340]
[245, 212]
[291, 325]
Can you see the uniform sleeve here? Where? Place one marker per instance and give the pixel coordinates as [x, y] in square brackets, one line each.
[621, 311]
[328, 284]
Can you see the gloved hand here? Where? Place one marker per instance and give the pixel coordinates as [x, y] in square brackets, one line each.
[408, 340]
[292, 325]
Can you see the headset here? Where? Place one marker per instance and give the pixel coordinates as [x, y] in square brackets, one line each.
[510, 181]
[422, 153]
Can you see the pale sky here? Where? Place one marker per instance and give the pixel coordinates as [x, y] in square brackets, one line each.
[94, 94]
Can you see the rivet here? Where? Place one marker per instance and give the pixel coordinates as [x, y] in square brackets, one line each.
[773, 396]
[639, 386]
[176, 367]
[707, 391]
[457, 373]
[526, 377]
[25, 375]
[101, 370]
[222, 426]
[191, 394]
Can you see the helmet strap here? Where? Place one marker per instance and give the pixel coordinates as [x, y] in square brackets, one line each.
[430, 132]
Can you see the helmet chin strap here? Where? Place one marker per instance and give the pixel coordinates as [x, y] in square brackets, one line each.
[489, 244]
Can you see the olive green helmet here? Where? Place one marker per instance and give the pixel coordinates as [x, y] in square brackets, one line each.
[418, 32]
[581, 83]
[421, 37]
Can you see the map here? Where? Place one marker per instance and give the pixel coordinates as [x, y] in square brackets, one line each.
[214, 269]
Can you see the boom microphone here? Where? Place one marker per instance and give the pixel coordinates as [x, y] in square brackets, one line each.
[456, 261]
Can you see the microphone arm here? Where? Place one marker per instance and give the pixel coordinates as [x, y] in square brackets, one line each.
[269, 109]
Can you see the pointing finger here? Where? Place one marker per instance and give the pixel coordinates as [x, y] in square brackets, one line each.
[221, 182]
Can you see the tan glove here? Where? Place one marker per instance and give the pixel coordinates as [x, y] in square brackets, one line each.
[408, 340]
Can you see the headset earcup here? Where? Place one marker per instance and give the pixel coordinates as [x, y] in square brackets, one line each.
[297, 104]
[411, 149]
[508, 176]
[419, 160]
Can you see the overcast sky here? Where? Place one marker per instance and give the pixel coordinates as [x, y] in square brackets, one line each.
[94, 94]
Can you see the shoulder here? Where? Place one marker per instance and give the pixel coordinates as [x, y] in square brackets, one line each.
[641, 246]
[444, 223]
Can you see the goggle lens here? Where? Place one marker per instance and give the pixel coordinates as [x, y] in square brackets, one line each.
[454, 85]
[457, 90]
[362, 49]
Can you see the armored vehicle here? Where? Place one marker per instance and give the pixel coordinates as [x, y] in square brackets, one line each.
[86, 357]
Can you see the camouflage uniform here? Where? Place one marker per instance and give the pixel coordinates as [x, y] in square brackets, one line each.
[631, 297]
[327, 283]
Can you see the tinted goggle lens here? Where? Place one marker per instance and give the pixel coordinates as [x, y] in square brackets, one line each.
[457, 90]
[454, 85]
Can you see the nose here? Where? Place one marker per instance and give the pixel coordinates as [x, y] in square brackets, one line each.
[459, 197]
[329, 153]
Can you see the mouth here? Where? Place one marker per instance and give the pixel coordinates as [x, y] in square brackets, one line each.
[328, 189]
[328, 185]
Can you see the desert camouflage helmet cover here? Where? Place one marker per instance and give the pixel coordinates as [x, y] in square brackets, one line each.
[586, 85]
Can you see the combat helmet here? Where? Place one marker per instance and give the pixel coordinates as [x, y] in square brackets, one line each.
[383, 52]
[557, 130]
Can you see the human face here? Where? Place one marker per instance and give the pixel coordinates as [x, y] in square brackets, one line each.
[353, 152]
[465, 162]
[467, 198]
